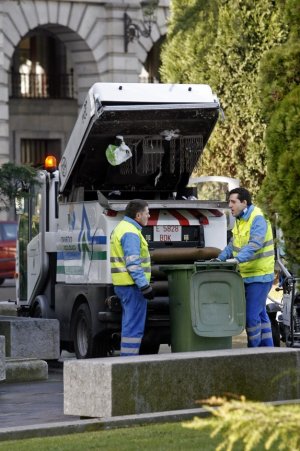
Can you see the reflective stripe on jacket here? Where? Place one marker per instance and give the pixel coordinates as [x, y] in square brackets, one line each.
[122, 266]
[262, 262]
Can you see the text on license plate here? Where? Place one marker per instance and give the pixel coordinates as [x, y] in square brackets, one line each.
[167, 233]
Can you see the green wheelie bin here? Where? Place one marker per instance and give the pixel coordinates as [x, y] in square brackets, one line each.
[207, 305]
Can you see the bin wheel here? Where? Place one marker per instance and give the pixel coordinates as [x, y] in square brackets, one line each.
[149, 348]
[85, 344]
[287, 332]
[275, 332]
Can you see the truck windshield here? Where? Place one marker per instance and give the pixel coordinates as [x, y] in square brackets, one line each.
[28, 229]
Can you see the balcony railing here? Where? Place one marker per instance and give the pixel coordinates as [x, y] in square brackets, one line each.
[41, 86]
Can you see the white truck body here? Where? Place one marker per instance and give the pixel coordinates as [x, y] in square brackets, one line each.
[67, 226]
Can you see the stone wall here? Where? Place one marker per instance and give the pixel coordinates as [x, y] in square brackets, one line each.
[2, 358]
[166, 382]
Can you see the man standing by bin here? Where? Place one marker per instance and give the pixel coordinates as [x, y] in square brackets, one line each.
[252, 248]
[131, 272]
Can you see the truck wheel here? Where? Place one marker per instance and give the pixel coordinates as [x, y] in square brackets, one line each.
[41, 309]
[1, 281]
[83, 339]
[37, 311]
[85, 345]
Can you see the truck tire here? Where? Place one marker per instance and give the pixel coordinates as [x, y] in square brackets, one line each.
[1, 281]
[37, 311]
[41, 309]
[83, 340]
[85, 345]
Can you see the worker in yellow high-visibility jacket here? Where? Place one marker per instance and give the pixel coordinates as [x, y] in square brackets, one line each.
[131, 272]
[252, 248]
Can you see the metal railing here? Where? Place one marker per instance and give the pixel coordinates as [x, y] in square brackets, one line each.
[41, 86]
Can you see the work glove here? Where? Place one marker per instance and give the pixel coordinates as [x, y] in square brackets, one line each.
[232, 260]
[147, 292]
[215, 260]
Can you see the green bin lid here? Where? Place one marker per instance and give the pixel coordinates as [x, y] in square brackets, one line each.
[204, 265]
[176, 267]
[217, 301]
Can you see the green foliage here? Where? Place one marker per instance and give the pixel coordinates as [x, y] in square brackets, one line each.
[279, 74]
[252, 423]
[14, 183]
[292, 15]
[281, 189]
[221, 43]
[191, 33]
[279, 81]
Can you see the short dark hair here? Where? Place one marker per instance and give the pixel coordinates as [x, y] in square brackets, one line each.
[243, 194]
[135, 206]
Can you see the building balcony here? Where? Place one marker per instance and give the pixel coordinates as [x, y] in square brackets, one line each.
[41, 86]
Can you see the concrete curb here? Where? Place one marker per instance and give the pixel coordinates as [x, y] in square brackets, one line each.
[101, 388]
[71, 427]
[8, 308]
[25, 370]
[92, 425]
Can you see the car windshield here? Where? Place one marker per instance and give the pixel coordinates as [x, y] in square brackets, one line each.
[9, 231]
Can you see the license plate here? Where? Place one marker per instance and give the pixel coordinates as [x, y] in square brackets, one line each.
[167, 233]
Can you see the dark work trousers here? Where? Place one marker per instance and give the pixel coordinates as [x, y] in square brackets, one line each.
[134, 309]
[258, 326]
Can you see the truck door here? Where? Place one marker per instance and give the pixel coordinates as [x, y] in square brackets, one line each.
[30, 258]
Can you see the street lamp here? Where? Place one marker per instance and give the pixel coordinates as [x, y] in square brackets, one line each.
[133, 30]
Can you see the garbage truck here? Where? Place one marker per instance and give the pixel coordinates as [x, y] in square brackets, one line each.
[129, 141]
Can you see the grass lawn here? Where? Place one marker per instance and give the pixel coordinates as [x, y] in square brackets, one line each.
[165, 437]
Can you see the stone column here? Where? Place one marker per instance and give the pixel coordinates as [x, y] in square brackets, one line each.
[2, 358]
[4, 138]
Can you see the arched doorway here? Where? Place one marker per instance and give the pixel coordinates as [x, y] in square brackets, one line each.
[43, 102]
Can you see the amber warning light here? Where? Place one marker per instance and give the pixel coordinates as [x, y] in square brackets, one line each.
[50, 163]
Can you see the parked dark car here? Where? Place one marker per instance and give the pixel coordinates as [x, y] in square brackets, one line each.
[8, 236]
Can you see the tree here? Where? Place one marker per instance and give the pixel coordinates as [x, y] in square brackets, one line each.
[279, 82]
[221, 43]
[14, 183]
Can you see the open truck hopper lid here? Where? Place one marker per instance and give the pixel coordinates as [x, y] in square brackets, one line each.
[165, 126]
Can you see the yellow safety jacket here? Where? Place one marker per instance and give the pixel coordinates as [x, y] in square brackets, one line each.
[119, 271]
[262, 262]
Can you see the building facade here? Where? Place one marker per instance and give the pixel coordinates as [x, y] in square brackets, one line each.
[51, 52]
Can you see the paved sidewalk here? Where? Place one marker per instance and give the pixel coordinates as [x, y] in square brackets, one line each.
[29, 403]
[35, 409]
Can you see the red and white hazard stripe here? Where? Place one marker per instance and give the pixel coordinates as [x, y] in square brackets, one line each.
[181, 217]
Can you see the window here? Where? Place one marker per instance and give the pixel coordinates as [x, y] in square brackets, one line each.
[41, 68]
[8, 231]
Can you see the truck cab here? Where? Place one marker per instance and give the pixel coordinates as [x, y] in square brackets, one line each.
[64, 260]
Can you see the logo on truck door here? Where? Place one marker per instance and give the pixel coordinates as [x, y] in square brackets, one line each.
[80, 250]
